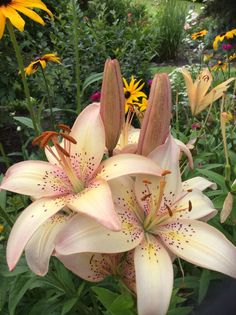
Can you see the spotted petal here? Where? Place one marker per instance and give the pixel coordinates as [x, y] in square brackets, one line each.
[96, 202]
[167, 156]
[27, 223]
[36, 178]
[200, 244]
[154, 277]
[88, 131]
[89, 266]
[41, 245]
[83, 234]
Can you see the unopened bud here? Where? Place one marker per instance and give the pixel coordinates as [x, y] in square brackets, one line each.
[156, 122]
[227, 208]
[112, 103]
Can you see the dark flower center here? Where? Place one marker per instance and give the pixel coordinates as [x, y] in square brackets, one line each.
[127, 94]
[36, 65]
[5, 2]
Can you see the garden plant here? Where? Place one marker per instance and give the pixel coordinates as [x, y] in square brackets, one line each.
[117, 156]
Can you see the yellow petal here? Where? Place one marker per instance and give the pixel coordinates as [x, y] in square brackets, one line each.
[33, 4]
[31, 14]
[2, 24]
[14, 17]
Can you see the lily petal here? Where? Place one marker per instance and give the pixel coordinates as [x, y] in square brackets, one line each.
[88, 131]
[154, 277]
[198, 183]
[27, 223]
[128, 164]
[201, 244]
[36, 178]
[167, 156]
[194, 206]
[96, 202]
[88, 266]
[82, 234]
[41, 245]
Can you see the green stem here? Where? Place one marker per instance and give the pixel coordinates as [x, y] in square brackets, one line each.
[6, 217]
[5, 158]
[22, 72]
[77, 58]
[203, 126]
[49, 99]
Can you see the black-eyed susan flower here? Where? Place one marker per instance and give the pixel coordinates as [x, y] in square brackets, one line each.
[41, 62]
[220, 66]
[221, 37]
[199, 34]
[9, 8]
[132, 92]
[142, 106]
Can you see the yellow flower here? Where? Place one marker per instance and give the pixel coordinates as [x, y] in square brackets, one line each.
[42, 61]
[199, 34]
[221, 37]
[232, 57]
[199, 97]
[207, 57]
[220, 66]
[9, 8]
[1, 228]
[132, 92]
[142, 106]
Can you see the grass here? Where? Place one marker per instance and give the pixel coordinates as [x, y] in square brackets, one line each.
[153, 4]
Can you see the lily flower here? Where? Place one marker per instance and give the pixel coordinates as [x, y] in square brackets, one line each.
[75, 177]
[160, 220]
[199, 99]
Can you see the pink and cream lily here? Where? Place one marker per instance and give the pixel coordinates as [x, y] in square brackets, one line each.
[160, 220]
[75, 177]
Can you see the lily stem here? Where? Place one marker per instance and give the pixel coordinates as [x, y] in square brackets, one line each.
[77, 57]
[22, 73]
[6, 217]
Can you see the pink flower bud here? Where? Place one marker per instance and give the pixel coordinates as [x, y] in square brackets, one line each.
[156, 122]
[112, 103]
[95, 97]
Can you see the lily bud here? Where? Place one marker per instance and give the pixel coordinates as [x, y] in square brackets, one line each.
[156, 122]
[227, 208]
[112, 103]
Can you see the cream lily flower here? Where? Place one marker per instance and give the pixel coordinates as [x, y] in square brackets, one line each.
[159, 220]
[75, 177]
[199, 99]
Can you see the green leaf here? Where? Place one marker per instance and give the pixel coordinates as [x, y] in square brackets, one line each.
[2, 196]
[25, 121]
[17, 291]
[189, 282]
[67, 306]
[106, 297]
[180, 311]
[91, 79]
[204, 284]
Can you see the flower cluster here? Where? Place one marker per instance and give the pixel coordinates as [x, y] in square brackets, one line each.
[101, 212]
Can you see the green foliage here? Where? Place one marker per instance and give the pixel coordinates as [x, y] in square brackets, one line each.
[223, 11]
[169, 27]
